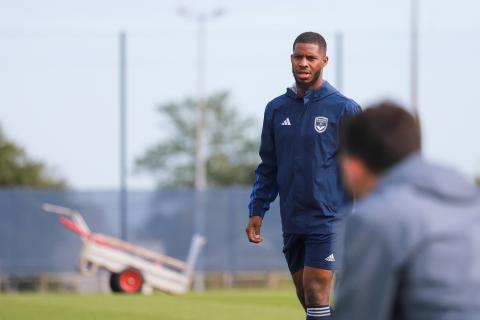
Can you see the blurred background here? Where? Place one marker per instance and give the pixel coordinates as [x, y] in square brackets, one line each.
[99, 106]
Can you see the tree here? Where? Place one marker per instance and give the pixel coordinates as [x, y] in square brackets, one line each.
[231, 149]
[18, 170]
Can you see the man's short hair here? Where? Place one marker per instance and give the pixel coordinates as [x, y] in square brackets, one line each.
[381, 136]
[311, 37]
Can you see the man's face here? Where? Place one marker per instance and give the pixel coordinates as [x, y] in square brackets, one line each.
[308, 61]
[357, 178]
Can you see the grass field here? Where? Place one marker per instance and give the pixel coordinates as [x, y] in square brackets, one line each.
[213, 305]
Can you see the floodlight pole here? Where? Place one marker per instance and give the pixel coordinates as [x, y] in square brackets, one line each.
[201, 20]
[414, 55]
[339, 61]
[123, 204]
[200, 161]
[200, 181]
[200, 144]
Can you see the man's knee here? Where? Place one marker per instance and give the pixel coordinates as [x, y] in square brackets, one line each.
[316, 286]
[316, 292]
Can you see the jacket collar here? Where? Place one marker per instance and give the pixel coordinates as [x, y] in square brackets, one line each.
[401, 171]
[324, 90]
[430, 178]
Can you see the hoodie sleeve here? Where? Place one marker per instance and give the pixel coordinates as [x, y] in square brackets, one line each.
[368, 282]
[265, 188]
[351, 109]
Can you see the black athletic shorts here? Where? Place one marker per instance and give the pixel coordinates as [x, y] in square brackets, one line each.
[309, 250]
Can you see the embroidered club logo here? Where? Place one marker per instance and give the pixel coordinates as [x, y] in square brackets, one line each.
[321, 124]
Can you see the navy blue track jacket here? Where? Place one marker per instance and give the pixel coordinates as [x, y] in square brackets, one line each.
[298, 159]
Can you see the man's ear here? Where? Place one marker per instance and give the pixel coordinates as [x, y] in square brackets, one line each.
[358, 178]
[353, 170]
[325, 60]
[358, 168]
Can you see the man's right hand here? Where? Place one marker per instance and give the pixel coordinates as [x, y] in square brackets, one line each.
[253, 229]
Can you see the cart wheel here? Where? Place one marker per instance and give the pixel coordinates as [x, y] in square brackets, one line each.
[129, 281]
[114, 282]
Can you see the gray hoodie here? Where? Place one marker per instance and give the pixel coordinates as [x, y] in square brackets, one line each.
[412, 248]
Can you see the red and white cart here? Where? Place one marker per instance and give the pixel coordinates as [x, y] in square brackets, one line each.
[132, 268]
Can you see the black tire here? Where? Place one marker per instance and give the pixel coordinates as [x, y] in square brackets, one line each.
[127, 281]
[114, 285]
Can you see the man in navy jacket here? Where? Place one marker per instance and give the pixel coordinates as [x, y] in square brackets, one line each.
[298, 161]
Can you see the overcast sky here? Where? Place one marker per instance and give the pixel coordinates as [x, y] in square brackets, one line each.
[59, 86]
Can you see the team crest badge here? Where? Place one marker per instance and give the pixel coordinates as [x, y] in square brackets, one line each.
[321, 124]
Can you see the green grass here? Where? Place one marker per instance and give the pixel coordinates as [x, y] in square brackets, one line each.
[211, 305]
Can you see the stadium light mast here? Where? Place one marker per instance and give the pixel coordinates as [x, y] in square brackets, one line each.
[414, 56]
[339, 60]
[201, 20]
[200, 155]
[123, 134]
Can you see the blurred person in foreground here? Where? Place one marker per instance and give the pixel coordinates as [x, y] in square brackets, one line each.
[412, 245]
[298, 151]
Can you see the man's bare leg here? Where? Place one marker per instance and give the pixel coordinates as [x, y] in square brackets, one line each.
[297, 278]
[316, 287]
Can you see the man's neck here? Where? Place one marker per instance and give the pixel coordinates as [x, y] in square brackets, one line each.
[368, 185]
[302, 91]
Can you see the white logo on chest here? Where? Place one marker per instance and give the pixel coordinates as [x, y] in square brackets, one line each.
[321, 124]
[286, 122]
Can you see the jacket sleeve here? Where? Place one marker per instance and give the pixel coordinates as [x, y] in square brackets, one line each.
[265, 188]
[368, 280]
[351, 109]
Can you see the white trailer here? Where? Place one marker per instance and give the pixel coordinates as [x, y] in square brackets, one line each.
[132, 268]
